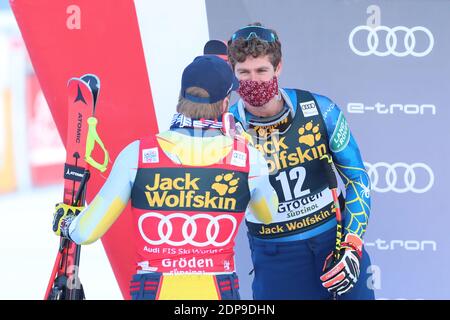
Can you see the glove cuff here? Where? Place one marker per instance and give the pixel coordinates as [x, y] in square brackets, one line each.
[352, 241]
[65, 225]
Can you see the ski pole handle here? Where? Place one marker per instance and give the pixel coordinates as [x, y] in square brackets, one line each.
[81, 188]
[329, 170]
[92, 139]
[327, 161]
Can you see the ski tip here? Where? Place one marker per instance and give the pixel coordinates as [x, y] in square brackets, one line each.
[73, 79]
[92, 80]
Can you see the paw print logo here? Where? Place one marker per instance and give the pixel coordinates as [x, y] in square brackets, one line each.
[225, 183]
[309, 134]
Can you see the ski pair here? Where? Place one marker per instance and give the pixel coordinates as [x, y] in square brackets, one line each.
[81, 138]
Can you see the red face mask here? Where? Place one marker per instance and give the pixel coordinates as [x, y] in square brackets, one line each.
[258, 93]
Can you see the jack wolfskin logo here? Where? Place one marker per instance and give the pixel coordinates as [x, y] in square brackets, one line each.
[225, 184]
[309, 134]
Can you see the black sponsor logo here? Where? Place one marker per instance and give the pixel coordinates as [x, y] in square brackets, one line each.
[190, 189]
[73, 173]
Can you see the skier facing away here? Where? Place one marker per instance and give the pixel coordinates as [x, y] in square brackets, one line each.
[190, 188]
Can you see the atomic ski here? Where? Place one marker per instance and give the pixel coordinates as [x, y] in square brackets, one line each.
[83, 92]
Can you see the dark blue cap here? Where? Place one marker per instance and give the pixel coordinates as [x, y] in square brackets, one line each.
[212, 74]
[217, 47]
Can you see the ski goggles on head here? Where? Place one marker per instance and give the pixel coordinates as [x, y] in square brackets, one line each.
[250, 32]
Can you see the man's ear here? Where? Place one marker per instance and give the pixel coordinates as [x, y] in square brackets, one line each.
[279, 68]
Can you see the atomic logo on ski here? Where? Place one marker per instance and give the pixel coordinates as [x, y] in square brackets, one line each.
[73, 173]
[80, 96]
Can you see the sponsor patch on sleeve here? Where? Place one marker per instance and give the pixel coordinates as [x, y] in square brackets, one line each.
[341, 135]
[150, 155]
[309, 108]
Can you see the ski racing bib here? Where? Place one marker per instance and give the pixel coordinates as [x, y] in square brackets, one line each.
[296, 172]
[187, 217]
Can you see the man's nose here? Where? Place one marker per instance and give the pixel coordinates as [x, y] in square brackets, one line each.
[254, 76]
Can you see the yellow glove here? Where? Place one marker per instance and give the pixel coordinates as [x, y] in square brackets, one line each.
[63, 217]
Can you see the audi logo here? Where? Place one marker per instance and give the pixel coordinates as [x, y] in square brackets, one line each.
[391, 41]
[188, 237]
[392, 178]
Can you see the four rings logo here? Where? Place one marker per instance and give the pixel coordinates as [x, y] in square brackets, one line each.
[190, 229]
[417, 41]
[391, 41]
[400, 177]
